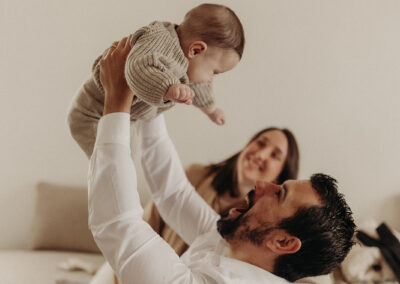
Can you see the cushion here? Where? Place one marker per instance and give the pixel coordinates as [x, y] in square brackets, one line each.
[41, 267]
[61, 219]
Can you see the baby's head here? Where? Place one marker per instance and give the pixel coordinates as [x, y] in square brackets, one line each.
[212, 39]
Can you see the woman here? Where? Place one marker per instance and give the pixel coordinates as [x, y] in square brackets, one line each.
[271, 155]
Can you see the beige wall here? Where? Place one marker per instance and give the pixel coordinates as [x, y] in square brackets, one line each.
[328, 70]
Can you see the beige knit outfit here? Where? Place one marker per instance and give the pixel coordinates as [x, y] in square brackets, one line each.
[156, 61]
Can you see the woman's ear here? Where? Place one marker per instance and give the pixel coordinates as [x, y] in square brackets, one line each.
[281, 242]
[196, 48]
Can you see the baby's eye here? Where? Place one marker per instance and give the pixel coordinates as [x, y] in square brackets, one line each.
[278, 193]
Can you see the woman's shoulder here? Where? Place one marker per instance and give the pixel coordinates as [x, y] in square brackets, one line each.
[196, 173]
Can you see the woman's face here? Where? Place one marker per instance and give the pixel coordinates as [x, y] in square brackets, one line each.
[263, 159]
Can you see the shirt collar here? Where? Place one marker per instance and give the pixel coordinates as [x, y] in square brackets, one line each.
[250, 272]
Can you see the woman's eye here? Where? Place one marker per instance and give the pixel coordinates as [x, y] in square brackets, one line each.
[261, 143]
[278, 193]
[276, 156]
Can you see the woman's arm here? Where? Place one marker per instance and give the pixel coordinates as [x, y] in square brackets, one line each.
[153, 218]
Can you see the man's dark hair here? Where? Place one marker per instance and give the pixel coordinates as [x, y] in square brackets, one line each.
[326, 233]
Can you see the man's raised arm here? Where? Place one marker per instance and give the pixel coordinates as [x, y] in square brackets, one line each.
[177, 201]
[136, 253]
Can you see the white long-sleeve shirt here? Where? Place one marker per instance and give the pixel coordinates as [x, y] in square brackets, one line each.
[135, 252]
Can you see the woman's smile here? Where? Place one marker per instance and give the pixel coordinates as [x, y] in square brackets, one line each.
[252, 163]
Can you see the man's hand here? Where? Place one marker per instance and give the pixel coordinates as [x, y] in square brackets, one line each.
[180, 93]
[118, 96]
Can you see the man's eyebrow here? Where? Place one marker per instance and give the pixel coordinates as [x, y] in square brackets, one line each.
[284, 193]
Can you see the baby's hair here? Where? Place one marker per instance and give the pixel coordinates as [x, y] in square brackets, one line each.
[216, 25]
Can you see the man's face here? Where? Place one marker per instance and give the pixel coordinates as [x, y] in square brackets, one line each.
[268, 205]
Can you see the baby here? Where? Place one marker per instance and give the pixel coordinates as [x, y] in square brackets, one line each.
[167, 64]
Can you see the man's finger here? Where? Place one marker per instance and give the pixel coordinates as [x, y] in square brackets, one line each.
[107, 53]
[122, 43]
[128, 42]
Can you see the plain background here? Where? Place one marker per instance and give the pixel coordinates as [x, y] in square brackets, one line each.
[328, 70]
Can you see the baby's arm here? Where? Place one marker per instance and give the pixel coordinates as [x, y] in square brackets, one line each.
[155, 66]
[204, 100]
[180, 93]
[217, 115]
[84, 114]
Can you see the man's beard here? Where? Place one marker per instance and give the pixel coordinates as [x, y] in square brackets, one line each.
[228, 228]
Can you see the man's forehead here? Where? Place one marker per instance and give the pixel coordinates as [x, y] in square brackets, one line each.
[300, 183]
[301, 191]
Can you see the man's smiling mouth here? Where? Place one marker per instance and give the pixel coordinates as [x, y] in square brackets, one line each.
[249, 202]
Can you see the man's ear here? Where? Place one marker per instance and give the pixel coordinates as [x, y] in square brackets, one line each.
[281, 242]
[196, 48]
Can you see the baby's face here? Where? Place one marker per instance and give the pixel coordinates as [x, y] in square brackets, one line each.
[214, 60]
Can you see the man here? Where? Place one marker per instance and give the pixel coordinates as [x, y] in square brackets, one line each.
[294, 230]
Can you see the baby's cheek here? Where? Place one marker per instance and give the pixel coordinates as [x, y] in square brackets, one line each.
[204, 76]
[197, 77]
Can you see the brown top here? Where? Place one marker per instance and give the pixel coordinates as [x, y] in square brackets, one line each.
[197, 176]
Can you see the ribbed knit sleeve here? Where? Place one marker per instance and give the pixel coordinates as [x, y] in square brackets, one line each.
[149, 78]
[204, 96]
[155, 62]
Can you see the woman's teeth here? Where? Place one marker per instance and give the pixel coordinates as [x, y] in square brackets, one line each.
[252, 164]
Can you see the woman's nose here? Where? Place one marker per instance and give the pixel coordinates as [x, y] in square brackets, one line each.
[263, 154]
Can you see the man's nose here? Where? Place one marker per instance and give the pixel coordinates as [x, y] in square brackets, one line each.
[264, 187]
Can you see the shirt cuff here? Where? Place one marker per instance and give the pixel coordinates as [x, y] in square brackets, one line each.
[114, 128]
[154, 128]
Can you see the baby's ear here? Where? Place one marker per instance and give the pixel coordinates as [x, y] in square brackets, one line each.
[196, 48]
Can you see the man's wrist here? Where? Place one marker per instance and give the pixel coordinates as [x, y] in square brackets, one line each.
[113, 128]
[117, 101]
[110, 108]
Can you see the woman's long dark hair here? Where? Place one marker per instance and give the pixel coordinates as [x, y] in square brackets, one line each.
[226, 176]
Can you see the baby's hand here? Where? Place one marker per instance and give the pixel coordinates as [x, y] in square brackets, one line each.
[180, 93]
[217, 115]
